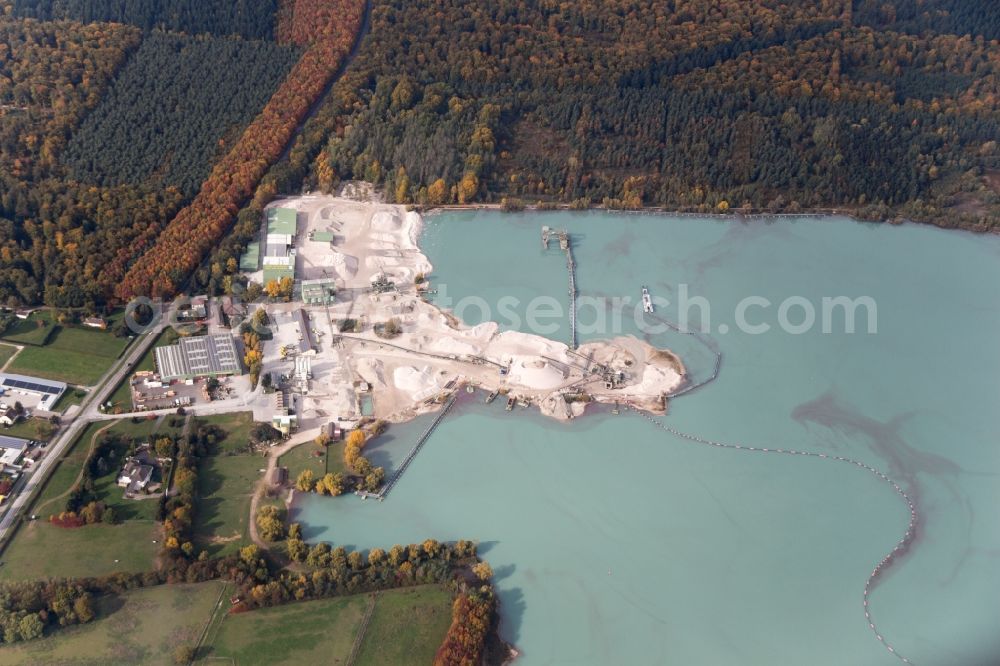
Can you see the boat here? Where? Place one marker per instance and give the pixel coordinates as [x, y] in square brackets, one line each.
[647, 301]
[492, 396]
[510, 403]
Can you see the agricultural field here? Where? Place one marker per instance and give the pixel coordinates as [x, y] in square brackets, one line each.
[415, 620]
[143, 626]
[73, 355]
[408, 627]
[173, 109]
[42, 550]
[311, 632]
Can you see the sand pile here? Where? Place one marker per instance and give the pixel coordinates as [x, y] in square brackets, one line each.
[387, 220]
[656, 379]
[534, 373]
[372, 371]
[419, 383]
[445, 345]
[343, 264]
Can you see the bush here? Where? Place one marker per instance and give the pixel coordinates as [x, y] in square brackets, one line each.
[184, 654]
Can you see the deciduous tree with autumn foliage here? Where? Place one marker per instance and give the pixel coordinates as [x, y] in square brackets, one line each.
[200, 225]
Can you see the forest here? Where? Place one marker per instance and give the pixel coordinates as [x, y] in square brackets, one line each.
[51, 75]
[130, 167]
[960, 17]
[187, 239]
[172, 108]
[252, 19]
[756, 106]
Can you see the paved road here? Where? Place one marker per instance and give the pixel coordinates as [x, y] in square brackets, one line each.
[88, 412]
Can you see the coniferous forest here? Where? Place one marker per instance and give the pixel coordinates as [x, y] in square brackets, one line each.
[252, 19]
[173, 108]
[138, 154]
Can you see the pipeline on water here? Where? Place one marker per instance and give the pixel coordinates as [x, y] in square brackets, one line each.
[902, 545]
[706, 341]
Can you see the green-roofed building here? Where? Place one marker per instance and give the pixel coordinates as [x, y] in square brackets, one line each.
[321, 236]
[281, 221]
[318, 292]
[250, 261]
[276, 272]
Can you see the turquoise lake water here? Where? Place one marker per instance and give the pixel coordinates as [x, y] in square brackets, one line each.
[616, 543]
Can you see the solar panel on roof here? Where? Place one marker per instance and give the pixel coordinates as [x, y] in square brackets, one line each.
[30, 386]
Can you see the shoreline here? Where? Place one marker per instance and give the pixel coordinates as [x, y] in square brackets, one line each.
[375, 260]
[735, 214]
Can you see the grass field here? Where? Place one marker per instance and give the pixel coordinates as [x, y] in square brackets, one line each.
[34, 330]
[312, 632]
[73, 355]
[226, 483]
[64, 475]
[237, 426]
[304, 457]
[32, 428]
[225, 488]
[6, 352]
[140, 627]
[72, 396]
[41, 550]
[322, 632]
[408, 627]
[146, 427]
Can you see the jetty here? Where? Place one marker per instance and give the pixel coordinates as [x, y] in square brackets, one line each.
[566, 245]
[384, 491]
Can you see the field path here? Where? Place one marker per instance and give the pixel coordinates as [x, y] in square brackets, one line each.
[93, 443]
[273, 455]
[19, 348]
[360, 638]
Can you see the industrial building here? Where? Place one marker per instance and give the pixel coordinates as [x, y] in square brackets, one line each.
[321, 236]
[198, 356]
[306, 343]
[48, 391]
[279, 244]
[318, 292]
[284, 418]
[12, 449]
